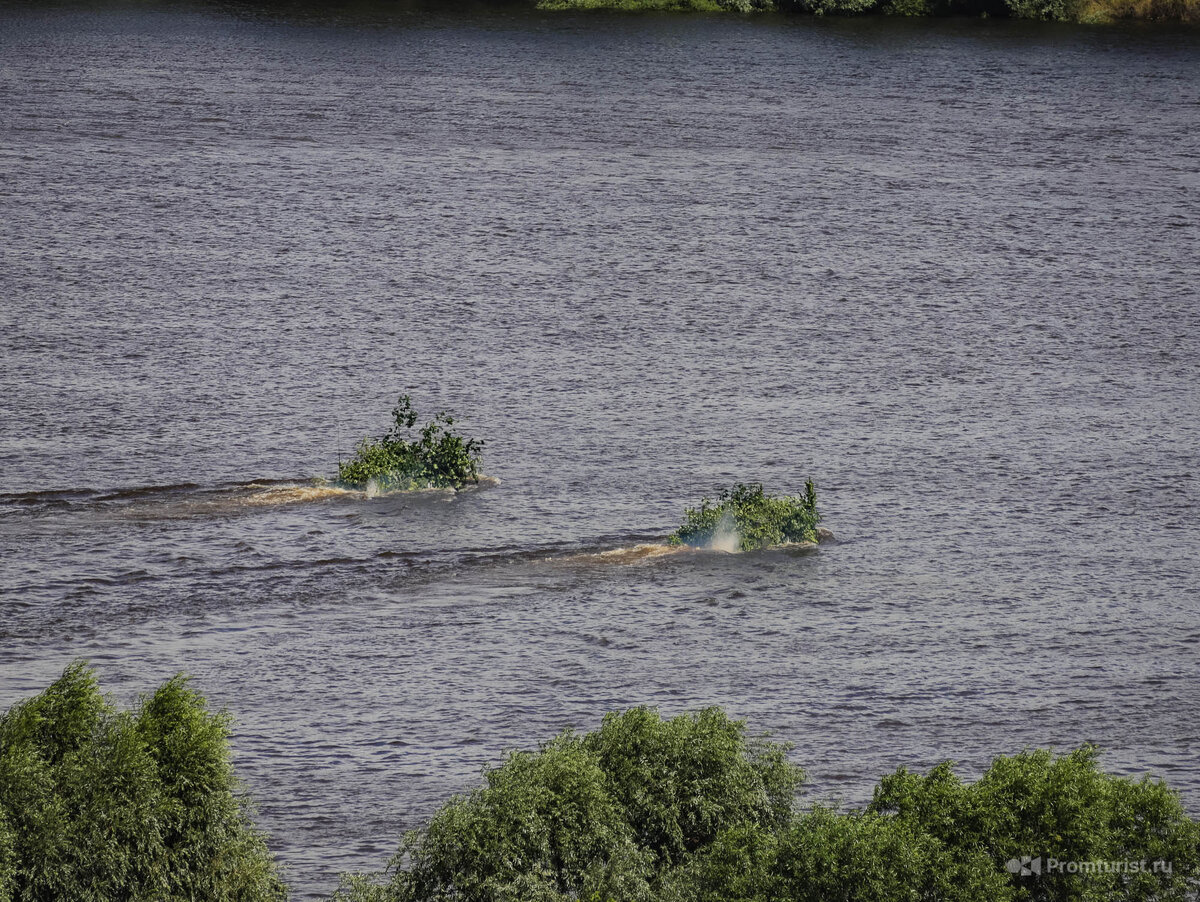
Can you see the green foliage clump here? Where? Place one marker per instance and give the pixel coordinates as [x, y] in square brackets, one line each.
[688, 810]
[748, 6]
[437, 458]
[854, 857]
[910, 8]
[101, 804]
[698, 6]
[681, 781]
[694, 6]
[829, 7]
[1064, 808]
[544, 827]
[757, 519]
[608, 815]
[1085, 11]
[1052, 10]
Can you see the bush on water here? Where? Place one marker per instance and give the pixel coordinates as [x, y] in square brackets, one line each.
[438, 457]
[690, 810]
[748, 518]
[101, 804]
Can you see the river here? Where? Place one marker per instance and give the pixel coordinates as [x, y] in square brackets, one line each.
[946, 268]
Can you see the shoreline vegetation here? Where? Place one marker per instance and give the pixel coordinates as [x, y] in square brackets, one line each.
[1080, 12]
[100, 803]
[1084, 12]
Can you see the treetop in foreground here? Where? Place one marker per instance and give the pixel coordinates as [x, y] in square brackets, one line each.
[688, 809]
[102, 804]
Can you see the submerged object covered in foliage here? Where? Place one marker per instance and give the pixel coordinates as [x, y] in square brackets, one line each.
[438, 457]
[746, 518]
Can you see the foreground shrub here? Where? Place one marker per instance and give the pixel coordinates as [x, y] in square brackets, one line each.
[603, 816]
[437, 458]
[100, 804]
[688, 810]
[544, 827]
[747, 518]
[858, 857]
[1036, 805]
[681, 781]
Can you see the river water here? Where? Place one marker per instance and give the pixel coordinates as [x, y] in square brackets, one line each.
[947, 269]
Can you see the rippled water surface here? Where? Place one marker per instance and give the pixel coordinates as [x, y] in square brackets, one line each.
[948, 269]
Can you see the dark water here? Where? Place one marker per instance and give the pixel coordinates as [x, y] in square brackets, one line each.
[948, 269]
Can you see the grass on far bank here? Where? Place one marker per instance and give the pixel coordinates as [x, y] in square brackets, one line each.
[1100, 12]
[1091, 12]
[697, 6]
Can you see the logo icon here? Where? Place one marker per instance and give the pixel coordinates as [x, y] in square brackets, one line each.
[1025, 866]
